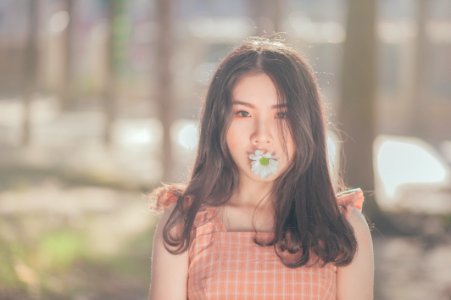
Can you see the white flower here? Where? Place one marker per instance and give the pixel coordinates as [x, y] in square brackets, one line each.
[263, 164]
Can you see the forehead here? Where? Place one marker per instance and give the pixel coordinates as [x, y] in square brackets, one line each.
[257, 89]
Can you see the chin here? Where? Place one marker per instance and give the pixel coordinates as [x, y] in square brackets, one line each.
[267, 179]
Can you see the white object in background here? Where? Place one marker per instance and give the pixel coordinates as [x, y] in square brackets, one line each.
[406, 162]
[184, 133]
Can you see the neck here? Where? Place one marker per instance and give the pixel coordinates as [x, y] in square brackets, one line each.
[251, 193]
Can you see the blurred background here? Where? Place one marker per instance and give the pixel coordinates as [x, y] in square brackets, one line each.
[99, 103]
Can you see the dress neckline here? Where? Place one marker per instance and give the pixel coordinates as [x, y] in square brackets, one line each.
[223, 229]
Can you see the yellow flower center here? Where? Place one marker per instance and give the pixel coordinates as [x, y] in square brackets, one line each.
[264, 161]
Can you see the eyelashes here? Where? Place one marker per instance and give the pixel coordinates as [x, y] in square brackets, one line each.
[246, 114]
[242, 114]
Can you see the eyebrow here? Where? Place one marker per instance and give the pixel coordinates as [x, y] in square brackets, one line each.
[239, 102]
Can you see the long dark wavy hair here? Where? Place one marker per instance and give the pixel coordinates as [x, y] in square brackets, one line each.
[307, 219]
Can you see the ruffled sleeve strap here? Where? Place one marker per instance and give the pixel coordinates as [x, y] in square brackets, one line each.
[349, 199]
[164, 197]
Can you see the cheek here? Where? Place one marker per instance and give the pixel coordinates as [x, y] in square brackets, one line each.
[233, 138]
[238, 133]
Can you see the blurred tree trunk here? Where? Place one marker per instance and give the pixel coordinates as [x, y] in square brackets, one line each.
[417, 118]
[116, 44]
[356, 112]
[67, 89]
[267, 15]
[30, 69]
[164, 84]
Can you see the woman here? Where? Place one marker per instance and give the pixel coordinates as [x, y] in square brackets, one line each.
[259, 217]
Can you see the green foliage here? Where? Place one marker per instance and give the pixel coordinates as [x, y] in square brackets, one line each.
[57, 251]
[8, 253]
[59, 263]
[47, 255]
[29, 265]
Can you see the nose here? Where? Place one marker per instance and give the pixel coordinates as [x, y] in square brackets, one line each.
[262, 135]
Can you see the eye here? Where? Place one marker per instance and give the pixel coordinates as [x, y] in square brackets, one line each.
[242, 114]
[281, 115]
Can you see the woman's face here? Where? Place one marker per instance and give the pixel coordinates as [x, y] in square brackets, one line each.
[258, 122]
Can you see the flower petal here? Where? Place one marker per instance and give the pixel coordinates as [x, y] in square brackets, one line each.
[267, 155]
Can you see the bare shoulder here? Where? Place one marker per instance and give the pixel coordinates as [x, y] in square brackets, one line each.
[169, 270]
[361, 269]
[358, 223]
[362, 232]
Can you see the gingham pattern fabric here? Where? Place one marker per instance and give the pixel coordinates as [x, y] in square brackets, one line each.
[229, 265]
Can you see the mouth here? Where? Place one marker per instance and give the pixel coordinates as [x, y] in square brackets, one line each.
[263, 164]
[262, 153]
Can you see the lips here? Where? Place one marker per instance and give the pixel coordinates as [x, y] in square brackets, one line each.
[262, 152]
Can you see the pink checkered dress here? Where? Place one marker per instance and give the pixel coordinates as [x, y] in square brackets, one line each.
[229, 265]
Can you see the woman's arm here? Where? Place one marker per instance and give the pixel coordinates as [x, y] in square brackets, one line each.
[356, 280]
[169, 271]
